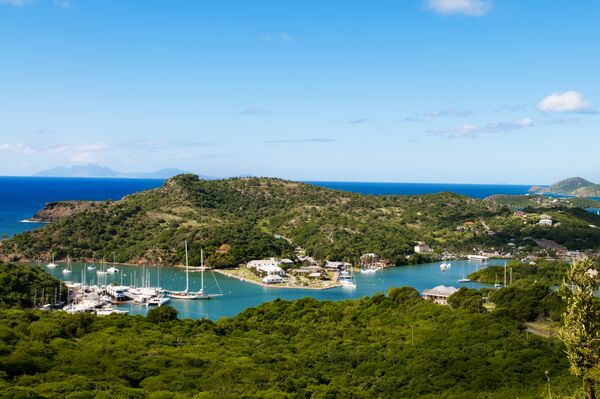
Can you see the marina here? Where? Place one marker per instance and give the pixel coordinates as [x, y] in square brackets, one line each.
[239, 295]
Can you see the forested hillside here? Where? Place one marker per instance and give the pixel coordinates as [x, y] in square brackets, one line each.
[393, 346]
[236, 220]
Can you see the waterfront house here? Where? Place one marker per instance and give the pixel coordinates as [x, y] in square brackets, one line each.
[266, 267]
[337, 265]
[439, 294]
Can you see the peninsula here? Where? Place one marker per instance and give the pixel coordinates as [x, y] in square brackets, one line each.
[239, 220]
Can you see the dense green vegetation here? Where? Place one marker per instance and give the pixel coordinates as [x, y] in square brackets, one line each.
[236, 220]
[542, 201]
[527, 302]
[380, 347]
[547, 272]
[20, 286]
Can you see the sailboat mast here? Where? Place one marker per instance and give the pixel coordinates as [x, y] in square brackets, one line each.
[187, 275]
[202, 270]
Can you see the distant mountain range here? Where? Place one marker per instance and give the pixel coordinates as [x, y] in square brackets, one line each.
[576, 186]
[93, 170]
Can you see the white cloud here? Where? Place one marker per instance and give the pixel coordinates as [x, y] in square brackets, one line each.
[473, 131]
[471, 8]
[569, 101]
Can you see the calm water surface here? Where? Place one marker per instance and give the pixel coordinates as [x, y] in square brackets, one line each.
[240, 295]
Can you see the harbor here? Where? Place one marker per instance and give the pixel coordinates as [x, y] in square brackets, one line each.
[239, 295]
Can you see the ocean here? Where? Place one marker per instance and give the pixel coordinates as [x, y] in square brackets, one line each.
[21, 197]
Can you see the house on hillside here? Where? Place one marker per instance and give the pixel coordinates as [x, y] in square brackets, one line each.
[423, 248]
[439, 294]
[545, 220]
[369, 258]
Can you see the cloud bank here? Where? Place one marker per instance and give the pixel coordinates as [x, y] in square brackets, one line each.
[470, 8]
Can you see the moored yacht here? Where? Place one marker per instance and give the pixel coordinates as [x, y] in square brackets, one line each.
[52, 265]
[346, 279]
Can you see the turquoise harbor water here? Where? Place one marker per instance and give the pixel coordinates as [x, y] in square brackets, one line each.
[21, 197]
[239, 295]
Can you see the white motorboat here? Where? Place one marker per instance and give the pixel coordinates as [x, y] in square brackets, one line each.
[346, 279]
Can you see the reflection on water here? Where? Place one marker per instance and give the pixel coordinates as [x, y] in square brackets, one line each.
[239, 295]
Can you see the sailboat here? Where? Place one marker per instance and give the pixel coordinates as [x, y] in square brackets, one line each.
[462, 278]
[112, 269]
[497, 284]
[91, 266]
[185, 294]
[67, 270]
[102, 272]
[51, 265]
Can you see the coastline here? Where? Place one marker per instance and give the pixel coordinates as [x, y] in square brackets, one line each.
[224, 272]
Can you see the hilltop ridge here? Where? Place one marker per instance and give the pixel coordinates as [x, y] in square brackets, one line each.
[239, 219]
[576, 186]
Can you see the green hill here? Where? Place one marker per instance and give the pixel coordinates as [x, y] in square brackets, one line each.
[569, 185]
[576, 186]
[236, 220]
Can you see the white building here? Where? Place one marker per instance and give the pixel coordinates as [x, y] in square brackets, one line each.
[545, 222]
[267, 266]
[272, 279]
[337, 265]
[439, 294]
[422, 248]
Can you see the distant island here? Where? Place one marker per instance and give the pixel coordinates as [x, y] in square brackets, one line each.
[575, 186]
[93, 170]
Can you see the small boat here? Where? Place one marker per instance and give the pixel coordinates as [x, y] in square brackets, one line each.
[108, 310]
[67, 270]
[462, 278]
[52, 265]
[346, 279]
[91, 267]
[445, 266]
[112, 269]
[497, 284]
[158, 300]
[368, 270]
[102, 272]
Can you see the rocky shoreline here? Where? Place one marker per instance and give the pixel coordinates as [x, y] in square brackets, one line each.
[56, 210]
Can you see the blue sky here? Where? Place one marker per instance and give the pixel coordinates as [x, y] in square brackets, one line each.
[466, 91]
